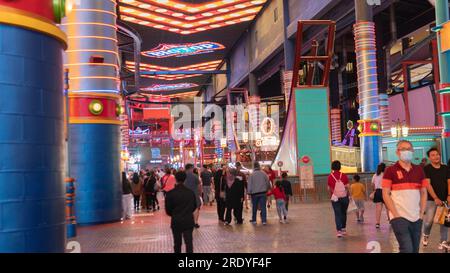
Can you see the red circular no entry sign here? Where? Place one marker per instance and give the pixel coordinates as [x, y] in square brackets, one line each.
[306, 159]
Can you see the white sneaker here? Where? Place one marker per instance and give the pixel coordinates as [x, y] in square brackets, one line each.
[443, 245]
[281, 221]
[425, 240]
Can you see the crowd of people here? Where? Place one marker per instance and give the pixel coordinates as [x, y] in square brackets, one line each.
[410, 193]
[226, 186]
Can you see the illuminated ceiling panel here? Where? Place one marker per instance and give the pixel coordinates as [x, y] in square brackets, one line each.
[183, 95]
[182, 50]
[208, 66]
[163, 98]
[186, 18]
[168, 87]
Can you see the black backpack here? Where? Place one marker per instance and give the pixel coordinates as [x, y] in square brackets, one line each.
[148, 185]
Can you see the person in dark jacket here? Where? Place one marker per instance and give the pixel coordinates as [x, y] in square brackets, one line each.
[287, 188]
[234, 196]
[180, 205]
[150, 191]
[219, 192]
[126, 197]
[137, 186]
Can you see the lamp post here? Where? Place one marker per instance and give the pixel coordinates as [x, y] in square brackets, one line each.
[399, 130]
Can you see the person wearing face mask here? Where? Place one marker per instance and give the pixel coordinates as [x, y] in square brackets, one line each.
[405, 195]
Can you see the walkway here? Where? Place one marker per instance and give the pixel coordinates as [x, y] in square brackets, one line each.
[311, 229]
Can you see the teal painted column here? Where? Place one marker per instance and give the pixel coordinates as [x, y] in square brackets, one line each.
[442, 17]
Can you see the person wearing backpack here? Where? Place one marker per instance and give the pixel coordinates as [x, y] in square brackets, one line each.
[338, 188]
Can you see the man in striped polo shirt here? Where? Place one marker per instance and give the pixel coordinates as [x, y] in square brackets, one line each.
[405, 195]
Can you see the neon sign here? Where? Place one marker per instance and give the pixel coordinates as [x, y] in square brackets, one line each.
[208, 66]
[169, 87]
[139, 131]
[182, 50]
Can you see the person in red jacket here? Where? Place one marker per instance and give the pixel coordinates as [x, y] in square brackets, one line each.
[280, 197]
[272, 175]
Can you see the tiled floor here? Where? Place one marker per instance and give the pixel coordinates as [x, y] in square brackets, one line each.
[311, 229]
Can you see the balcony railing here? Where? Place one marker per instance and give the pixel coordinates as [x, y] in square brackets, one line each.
[348, 156]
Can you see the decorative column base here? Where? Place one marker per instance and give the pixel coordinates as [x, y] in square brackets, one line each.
[94, 156]
[370, 144]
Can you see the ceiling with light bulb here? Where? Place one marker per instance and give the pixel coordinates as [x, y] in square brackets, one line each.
[185, 35]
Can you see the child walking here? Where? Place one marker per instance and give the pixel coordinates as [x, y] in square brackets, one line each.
[280, 197]
[358, 191]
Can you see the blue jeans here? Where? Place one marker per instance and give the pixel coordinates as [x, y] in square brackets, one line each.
[281, 208]
[430, 211]
[340, 212]
[407, 234]
[259, 199]
[206, 192]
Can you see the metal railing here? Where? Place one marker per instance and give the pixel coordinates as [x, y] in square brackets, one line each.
[348, 156]
[320, 192]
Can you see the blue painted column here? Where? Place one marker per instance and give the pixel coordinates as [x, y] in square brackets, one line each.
[442, 17]
[32, 189]
[94, 106]
[366, 60]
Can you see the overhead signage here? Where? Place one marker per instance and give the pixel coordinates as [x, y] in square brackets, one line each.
[156, 153]
[269, 141]
[182, 50]
[169, 87]
[155, 161]
[139, 131]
